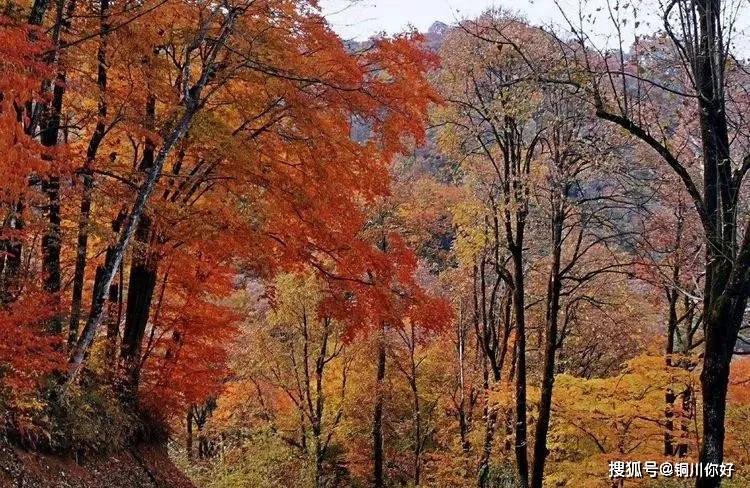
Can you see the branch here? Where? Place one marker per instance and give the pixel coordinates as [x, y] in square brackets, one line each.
[664, 152]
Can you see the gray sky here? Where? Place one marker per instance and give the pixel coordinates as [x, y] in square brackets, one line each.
[359, 19]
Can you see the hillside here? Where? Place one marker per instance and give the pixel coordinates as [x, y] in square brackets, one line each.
[145, 467]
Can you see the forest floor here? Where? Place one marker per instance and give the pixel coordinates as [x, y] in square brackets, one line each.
[142, 467]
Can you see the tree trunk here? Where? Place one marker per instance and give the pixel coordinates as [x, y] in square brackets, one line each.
[318, 453]
[715, 382]
[88, 180]
[189, 435]
[113, 295]
[79, 272]
[141, 286]
[669, 395]
[38, 9]
[554, 288]
[318, 411]
[669, 399]
[49, 137]
[417, 421]
[51, 250]
[463, 418]
[484, 461]
[142, 280]
[377, 418]
[722, 310]
[13, 251]
[113, 326]
[13, 248]
[688, 408]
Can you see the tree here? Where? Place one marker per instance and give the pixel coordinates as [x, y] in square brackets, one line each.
[191, 99]
[700, 43]
[300, 346]
[188, 130]
[536, 161]
[262, 124]
[617, 417]
[28, 354]
[492, 116]
[619, 88]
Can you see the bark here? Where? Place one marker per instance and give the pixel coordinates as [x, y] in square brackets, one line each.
[669, 395]
[11, 260]
[49, 138]
[463, 418]
[79, 272]
[377, 418]
[417, 421]
[688, 408]
[715, 382]
[142, 281]
[554, 288]
[51, 249]
[87, 179]
[141, 287]
[723, 309]
[416, 408]
[669, 399]
[319, 410]
[113, 326]
[38, 9]
[318, 454]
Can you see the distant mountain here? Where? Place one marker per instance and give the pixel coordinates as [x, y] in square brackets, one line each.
[438, 29]
[436, 34]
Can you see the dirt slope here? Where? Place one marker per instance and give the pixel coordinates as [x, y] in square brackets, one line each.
[145, 467]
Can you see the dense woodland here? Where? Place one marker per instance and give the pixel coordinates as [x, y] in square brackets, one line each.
[493, 254]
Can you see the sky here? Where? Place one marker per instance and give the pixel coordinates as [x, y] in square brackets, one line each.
[359, 19]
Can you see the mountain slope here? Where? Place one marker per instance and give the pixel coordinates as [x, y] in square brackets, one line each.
[144, 467]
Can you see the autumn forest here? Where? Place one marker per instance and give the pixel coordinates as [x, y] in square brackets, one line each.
[493, 254]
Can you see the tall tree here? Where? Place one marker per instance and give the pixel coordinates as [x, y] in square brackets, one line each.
[621, 89]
